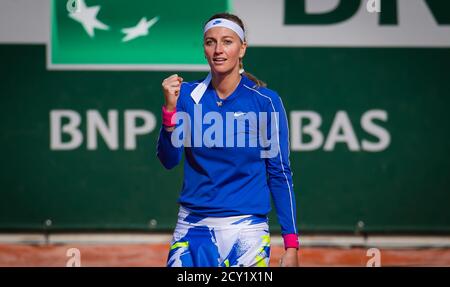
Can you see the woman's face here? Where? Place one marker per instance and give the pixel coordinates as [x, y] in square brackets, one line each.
[223, 48]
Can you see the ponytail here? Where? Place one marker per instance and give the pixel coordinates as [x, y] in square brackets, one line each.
[258, 82]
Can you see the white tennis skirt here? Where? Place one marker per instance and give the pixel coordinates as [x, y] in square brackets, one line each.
[239, 241]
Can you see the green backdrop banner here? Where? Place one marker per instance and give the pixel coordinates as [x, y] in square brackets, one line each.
[366, 90]
[132, 33]
[369, 141]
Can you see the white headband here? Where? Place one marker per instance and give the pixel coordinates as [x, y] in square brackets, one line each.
[221, 22]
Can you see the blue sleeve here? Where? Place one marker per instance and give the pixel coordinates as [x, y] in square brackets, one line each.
[279, 170]
[168, 154]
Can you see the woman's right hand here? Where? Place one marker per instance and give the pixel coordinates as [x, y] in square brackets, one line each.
[171, 88]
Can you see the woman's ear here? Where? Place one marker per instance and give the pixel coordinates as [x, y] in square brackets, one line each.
[242, 50]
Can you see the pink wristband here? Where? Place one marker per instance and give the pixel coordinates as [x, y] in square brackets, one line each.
[290, 240]
[168, 118]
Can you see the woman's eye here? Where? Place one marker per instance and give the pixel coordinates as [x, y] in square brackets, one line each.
[228, 42]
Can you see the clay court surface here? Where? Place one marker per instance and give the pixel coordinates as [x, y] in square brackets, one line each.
[154, 255]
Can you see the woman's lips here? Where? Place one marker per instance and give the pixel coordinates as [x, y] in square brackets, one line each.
[219, 61]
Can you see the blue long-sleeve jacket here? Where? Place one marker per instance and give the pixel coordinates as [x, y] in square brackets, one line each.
[222, 178]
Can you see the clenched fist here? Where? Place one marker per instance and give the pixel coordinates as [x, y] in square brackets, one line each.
[171, 88]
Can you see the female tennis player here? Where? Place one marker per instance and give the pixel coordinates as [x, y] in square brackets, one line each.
[228, 182]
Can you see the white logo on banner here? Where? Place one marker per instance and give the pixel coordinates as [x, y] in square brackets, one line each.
[341, 131]
[96, 126]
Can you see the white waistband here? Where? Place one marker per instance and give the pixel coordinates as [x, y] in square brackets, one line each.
[187, 217]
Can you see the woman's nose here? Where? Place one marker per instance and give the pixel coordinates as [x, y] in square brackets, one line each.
[219, 48]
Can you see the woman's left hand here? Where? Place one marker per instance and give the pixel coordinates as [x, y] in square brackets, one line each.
[289, 258]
